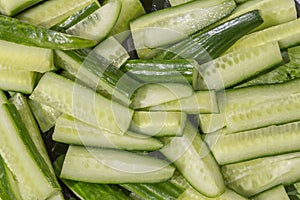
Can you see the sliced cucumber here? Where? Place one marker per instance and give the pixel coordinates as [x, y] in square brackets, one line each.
[33, 176]
[277, 192]
[113, 51]
[254, 176]
[241, 146]
[8, 7]
[71, 131]
[3, 98]
[159, 124]
[82, 103]
[29, 58]
[286, 34]
[27, 34]
[273, 12]
[49, 13]
[193, 159]
[173, 24]
[76, 17]
[113, 166]
[17, 80]
[178, 2]
[199, 102]
[98, 25]
[233, 68]
[131, 9]
[9, 189]
[45, 115]
[155, 94]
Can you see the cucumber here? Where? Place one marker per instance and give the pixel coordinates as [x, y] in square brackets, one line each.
[10, 8]
[90, 191]
[254, 176]
[33, 176]
[8, 185]
[233, 68]
[273, 12]
[98, 25]
[45, 115]
[76, 100]
[17, 80]
[194, 161]
[3, 98]
[71, 131]
[29, 58]
[155, 94]
[27, 34]
[113, 51]
[130, 10]
[113, 166]
[199, 102]
[286, 34]
[157, 191]
[49, 13]
[20, 102]
[159, 124]
[76, 17]
[202, 46]
[178, 2]
[173, 24]
[246, 145]
[277, 192]
[99, 74]
[160, 71]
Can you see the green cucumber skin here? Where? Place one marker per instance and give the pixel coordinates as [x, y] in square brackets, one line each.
[90, 191]
[14, 30]
[76, 17]
[158, 191]
[213, 41]
[160, 71]
[20, 7]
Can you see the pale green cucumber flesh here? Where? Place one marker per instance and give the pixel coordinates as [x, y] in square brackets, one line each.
[192, 194]
[199, 102]
[254, 176]
[33, 176]
[98, 25]
[178, 2]
[154, 94]
[173, 24]
[17, 80]
[96, 165]
[3, 98]
[29, 58]
[13, 7]
[71, 131]
[255, 143]
[233, 68]
[49, 13]
[158, 124]
[113, 51]
[194, 161]
[277, 192]
[82, 103]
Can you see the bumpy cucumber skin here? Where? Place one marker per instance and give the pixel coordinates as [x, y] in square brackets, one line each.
[213, 41]
[19, 32]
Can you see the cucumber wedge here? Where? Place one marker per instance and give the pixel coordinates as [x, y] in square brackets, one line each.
[17, 80]
[277, 192]
[3, 98]
[233, 68]
[8, 7]
[49, 13]
[159, 124]
[286, 34]
[254, 176]
[29, 58]
[194, 161]
[173, 24]
[113, 166]
[14, 30]
[33, 176]
[82, 103]
[98, 25]
[178, 2]
[71, 131]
